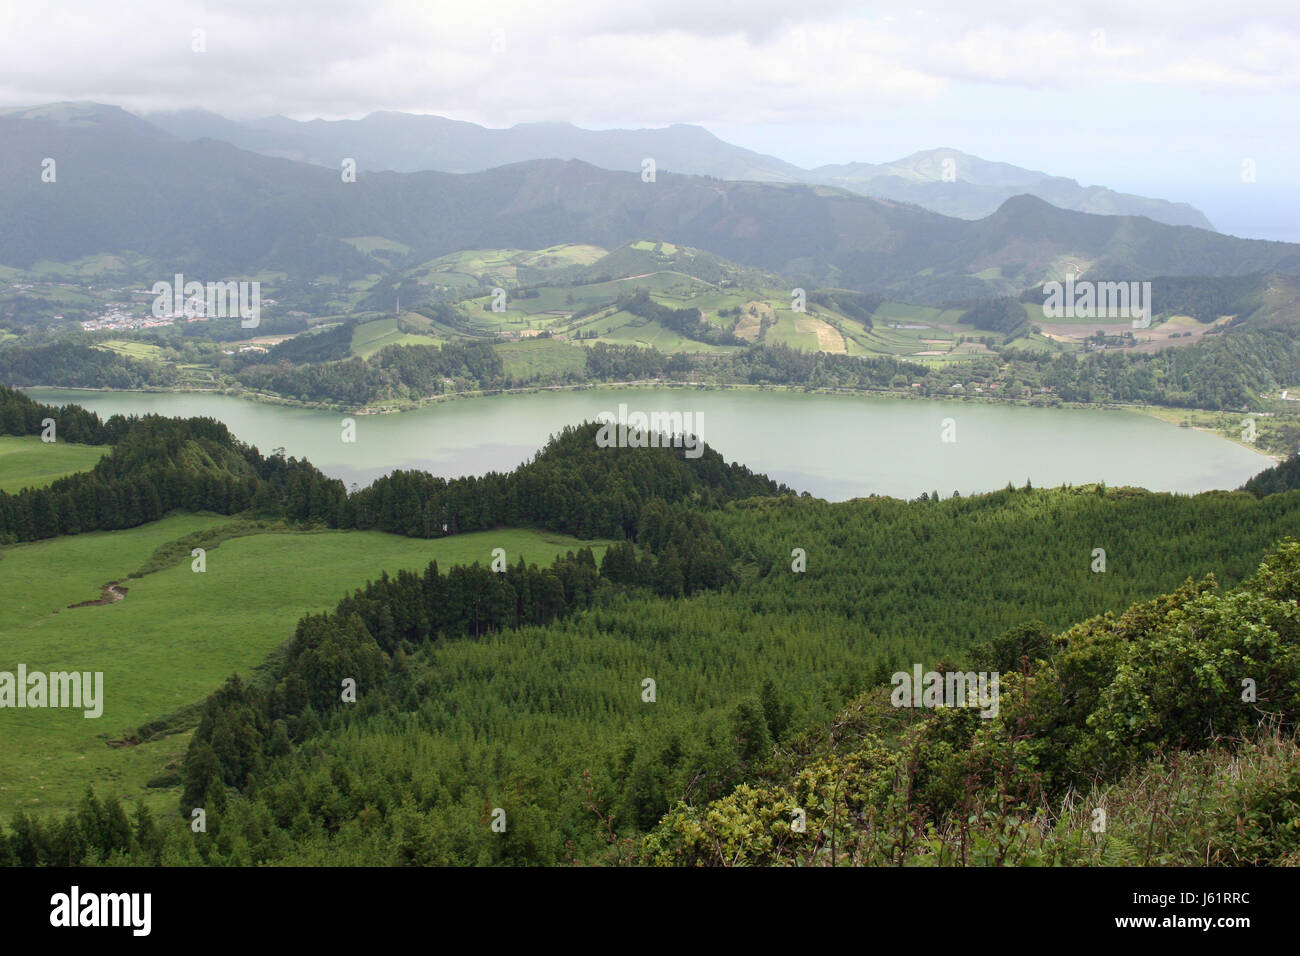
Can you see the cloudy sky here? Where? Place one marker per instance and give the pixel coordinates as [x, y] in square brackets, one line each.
[1161, 97]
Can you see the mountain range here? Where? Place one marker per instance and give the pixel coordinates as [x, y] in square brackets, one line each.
[942, 180]
[126, 187]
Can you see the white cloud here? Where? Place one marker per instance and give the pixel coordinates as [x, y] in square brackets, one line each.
[604, 64]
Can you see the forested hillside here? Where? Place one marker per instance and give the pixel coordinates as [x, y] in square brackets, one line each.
[1284, 476]
[1233, 371]
[1163, 735]
[78, 366]
[158, 464]
[626, 710]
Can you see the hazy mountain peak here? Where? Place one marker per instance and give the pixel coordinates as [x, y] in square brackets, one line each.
[956, 183]
[80, 113]
[547, 124]
[944, 179]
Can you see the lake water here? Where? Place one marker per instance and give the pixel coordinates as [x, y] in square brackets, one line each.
[833, 446]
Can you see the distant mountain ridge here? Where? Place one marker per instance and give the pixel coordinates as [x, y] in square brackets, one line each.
[967, 187]
[405, 142]
[125, 187]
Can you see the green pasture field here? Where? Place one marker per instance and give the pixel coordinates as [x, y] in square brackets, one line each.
[176, 635]
[470, 268]
[28, 462]
[136, 350]
[624, 328]
[370, 337]
[540, 358]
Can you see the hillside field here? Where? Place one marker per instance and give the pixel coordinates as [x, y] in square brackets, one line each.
[28, 462]
[177, 635]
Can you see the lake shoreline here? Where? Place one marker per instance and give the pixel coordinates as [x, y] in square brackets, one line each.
[1151, 411]
[411, 406]
[836, 443]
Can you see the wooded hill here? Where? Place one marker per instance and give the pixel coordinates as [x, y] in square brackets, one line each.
[1160, 736]
[524, 689]
[158, 464]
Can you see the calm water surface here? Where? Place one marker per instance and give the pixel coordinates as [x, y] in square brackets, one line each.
[833, 446]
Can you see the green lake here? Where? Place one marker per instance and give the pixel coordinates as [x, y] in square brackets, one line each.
[832, 446]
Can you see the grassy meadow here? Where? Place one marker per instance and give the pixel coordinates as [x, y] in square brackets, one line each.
[177, 634]
[28, 462]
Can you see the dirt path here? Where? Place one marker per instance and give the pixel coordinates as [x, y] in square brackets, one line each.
[111, 593]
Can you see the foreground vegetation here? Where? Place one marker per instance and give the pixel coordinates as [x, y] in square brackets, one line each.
[1163, 735]
[723, 663]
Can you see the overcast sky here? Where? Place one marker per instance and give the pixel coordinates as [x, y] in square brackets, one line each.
[1162, 97]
